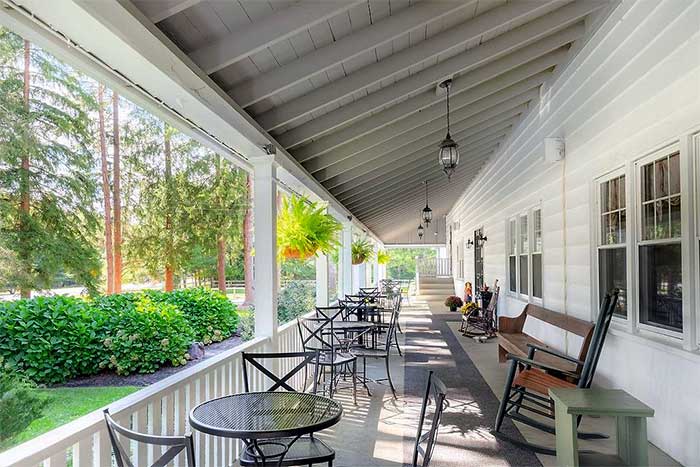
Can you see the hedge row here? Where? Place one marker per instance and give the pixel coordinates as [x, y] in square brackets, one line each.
[53, 339]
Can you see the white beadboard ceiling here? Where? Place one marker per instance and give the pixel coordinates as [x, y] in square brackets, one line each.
[348, 87]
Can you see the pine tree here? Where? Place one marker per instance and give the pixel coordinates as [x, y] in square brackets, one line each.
[47, 191]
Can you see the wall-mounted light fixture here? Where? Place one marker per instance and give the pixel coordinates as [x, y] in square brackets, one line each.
[470, 244]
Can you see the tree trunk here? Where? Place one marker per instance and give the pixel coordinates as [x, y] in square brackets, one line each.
[106, 190]
[169, 253]
[221, 238]
[24, 202]
[116, 193]
[221, 262]
[247, 246]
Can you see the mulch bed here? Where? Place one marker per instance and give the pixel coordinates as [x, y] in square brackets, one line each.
[140, 379]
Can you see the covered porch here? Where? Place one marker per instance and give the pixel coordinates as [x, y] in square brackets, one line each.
[554, 106]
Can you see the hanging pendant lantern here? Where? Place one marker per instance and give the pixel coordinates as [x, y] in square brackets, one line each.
[449, 152]
[421, 230]
[427, 214]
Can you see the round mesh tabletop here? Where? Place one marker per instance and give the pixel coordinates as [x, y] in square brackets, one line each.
[259, 415]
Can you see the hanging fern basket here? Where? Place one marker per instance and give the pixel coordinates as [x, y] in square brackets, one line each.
[305, 229]
[291, 253]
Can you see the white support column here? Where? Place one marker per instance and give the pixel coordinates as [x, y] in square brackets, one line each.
[360, 276]
[322, 280]
[375, 267]
[265, 215]
[346, 259]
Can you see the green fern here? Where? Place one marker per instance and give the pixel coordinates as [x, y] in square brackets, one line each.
[382, 257]
[361, 251]
[305, 229]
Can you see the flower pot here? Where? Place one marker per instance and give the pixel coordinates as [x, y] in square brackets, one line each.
[453, 308]
[290, 253]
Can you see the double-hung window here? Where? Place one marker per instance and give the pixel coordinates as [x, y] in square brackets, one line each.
[525, 254]
[659, 243]
[612, 240]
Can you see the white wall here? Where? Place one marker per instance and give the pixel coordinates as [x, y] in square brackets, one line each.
[633, 88]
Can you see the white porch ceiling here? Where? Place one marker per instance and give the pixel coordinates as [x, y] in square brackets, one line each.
[348, 87]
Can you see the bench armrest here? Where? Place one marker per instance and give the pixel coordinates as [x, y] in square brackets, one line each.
[543, 366]
[555, 353]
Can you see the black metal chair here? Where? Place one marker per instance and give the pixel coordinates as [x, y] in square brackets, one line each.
[381, 351]
[318, 334]
[436, 390]
[304, 450]
[175, 444]
[528, 381]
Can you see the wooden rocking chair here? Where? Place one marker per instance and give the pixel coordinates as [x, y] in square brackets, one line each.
[482, 321]
[528, 381]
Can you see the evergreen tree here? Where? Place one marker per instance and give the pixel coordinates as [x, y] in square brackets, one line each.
[47, 191]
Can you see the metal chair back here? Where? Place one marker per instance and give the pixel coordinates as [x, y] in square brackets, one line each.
[318, 334]
[425, 441]
[256, 360]
[175, 444]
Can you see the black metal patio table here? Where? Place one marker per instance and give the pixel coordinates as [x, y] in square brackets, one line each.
[266, 418]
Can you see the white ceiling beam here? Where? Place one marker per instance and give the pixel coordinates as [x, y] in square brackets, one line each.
[404, 143]
[271, 29]
[412, 198]
[391, 180]
[465, 82]
[478, 144]
[378, 178]
[397, 63]
[158, 11]
[433, 131]
[378, 167]
[279, 79]
[415, 179]
[348, 136]
[482, 110]
[428, 101]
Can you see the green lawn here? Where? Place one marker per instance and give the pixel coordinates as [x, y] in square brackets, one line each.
[66, 404]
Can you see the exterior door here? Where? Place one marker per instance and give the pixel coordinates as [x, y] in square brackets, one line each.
[478, 260]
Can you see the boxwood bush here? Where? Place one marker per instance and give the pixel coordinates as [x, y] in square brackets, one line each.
[210, 313]
[50, 339]
[53, 339]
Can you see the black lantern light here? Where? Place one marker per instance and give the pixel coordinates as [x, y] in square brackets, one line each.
[427, 213]
[449, 152]
[421, 230]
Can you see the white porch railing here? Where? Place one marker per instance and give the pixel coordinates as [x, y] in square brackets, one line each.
[434, 267]
[161, 408]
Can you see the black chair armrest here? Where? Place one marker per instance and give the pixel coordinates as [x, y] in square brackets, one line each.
[542, 366]
[555, 353]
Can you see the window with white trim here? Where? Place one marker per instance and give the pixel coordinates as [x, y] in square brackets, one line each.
[512, 258]
[524, 258]
[659, 243]
[612, 240]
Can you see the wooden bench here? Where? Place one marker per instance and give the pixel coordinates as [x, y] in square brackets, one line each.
[512, 339]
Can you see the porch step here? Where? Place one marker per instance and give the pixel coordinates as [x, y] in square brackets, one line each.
[435, 289]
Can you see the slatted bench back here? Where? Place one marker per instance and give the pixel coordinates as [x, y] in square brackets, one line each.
[568, 323]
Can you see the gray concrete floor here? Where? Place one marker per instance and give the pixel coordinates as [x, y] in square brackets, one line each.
[380, 431]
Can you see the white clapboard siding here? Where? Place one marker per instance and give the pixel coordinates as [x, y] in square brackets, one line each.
[632, 89]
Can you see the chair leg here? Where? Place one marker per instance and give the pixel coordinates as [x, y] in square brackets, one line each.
[506, 395]
[354, 381]
[388, 376]
[364, 376]
[396, 342]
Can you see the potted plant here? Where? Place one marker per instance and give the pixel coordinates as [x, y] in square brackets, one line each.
[361, 251]
[304, 229]
[382, 257]
[453, 302]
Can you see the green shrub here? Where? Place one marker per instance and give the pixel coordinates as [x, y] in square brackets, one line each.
[19, 404]
[143, 335]
[212, 316]
[50, 339]
[296, 299]
[247, 324]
